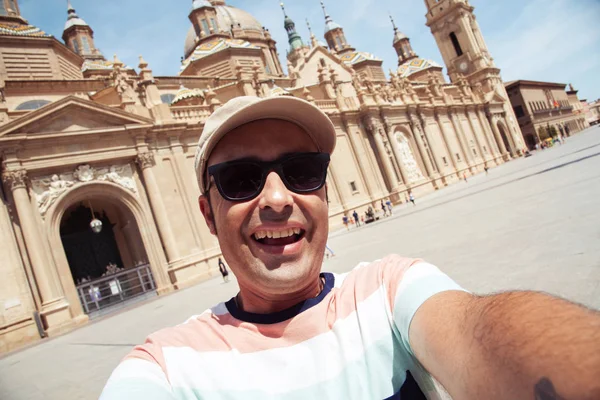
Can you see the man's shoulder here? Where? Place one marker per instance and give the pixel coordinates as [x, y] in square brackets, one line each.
[195, 328]
[372, 274]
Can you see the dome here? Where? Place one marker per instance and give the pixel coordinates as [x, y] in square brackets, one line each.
[226, 16]
[184, 94]
[330, 25]
[200, 3]
[398, 36]
[73, 19]
[416, 65]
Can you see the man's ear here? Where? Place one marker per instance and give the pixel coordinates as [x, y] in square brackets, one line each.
[207, 213]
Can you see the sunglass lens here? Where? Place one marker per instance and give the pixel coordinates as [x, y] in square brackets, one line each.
[240, 181]
[304, 174]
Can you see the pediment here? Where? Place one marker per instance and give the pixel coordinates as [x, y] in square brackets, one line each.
[71, 114]
[308, 71]
[494, 97]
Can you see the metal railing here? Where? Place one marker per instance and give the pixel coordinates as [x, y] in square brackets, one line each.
[108, 291]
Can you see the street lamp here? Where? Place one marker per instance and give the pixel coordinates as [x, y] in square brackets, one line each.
[95, 224]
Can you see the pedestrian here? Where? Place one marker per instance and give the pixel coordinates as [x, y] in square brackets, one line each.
[383, 330]
[223, 270]
[465, 177]
[345, 221]
[355, 216]
[486, 169]
[329, 252]
[389, 206]
[412, 198]
[384, 208]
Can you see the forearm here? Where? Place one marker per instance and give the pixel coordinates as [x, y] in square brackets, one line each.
[526, 345]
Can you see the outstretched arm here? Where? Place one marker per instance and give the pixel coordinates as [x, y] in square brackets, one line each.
[515, 345]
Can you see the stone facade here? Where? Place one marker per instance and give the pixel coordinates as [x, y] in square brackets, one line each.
[83, 134]
[543, 108]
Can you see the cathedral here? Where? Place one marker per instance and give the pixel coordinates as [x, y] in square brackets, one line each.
[99, 198]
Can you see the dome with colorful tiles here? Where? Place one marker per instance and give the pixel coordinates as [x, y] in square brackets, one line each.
[215, 46]
[357, 56]
[13, 29]
[226, 17]
[415, 65]
[185, 95]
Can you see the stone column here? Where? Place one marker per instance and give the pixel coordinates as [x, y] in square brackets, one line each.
[476, 137]
[431, 149]
[417, 131]
[358, 159]
[376, 130]
[494, 147]
[445, 140]
[401, 166]
[462, 141]
[45, 276]
[146, 161]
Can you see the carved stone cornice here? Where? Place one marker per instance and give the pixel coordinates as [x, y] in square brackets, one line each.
[15, 178]
[145, 160]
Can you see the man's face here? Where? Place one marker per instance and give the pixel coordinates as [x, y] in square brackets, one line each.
[265, 265]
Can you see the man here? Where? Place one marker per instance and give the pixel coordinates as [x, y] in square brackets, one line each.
[381, 331]
[355, 216]
[223, 270]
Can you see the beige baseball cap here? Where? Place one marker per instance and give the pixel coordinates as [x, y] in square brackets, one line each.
[245, 109]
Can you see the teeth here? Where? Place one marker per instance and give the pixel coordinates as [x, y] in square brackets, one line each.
[276, 234]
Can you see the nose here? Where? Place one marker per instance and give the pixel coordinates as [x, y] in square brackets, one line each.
[275, 195]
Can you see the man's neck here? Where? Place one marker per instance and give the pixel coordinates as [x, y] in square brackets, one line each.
[252, 302]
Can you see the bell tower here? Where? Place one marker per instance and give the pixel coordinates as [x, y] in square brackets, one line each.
[79, 36]
[335, 36]
[9, 12]
[456, 31]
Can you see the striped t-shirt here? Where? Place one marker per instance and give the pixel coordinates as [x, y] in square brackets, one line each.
[350, 342]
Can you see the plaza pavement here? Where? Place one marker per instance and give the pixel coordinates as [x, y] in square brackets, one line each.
[533, 223]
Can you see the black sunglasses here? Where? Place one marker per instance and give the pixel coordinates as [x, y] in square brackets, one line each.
[243, 180]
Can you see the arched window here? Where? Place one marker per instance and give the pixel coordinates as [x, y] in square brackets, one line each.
[167, 98]
[457, 47]
[339, 41]
[205, 27]
[86, 45]
[76, 46]
[32, 105]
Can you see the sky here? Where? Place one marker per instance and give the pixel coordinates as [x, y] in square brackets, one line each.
[544, 40]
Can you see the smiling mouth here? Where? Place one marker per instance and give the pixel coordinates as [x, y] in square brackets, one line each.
[279, 238]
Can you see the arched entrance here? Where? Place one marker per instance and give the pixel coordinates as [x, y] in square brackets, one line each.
[108, 264]
[407, 158]
[120, 264]
[505, 138]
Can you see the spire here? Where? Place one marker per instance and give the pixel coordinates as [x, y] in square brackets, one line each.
[402, 45]
[329, 24]
[294, 38]
[397, 34]
[72, 17]
[313, 38]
